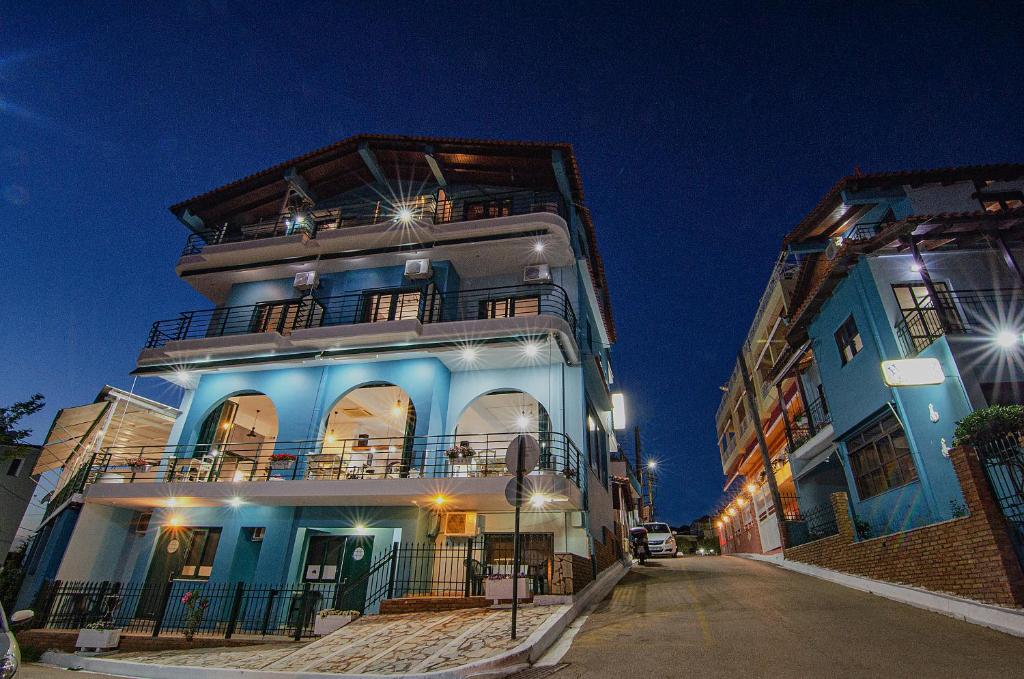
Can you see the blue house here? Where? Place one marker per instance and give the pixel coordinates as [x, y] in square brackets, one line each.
[388, 316]
[906, 315]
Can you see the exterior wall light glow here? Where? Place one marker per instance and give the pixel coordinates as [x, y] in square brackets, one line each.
[531, 349]
[404, 215]
[732, 511]
[740, 502]
[751, 488]
[235, 502]
[439, 500]
[174, 520]
[538, 500]
[915, 267]
[652, 464]
[538, 246]
[1007, 339]
[470, 354]
[618, 411]
[522, 422]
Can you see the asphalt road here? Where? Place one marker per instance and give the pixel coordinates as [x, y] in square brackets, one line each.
[731, 617]
[37, 671]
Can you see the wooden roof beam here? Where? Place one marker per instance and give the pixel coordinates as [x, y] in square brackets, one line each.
[370, 159]
[298, 184]
[435, 167]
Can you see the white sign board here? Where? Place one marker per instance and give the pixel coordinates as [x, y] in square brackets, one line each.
[908, 372]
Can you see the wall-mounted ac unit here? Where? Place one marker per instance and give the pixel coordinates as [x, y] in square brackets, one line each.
[305, 280]
[418, 269]
[537, 273]
[832, 249]
[257, 533]
[459, 524]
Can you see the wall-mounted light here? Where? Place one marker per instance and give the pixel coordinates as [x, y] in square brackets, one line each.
[1007, 339]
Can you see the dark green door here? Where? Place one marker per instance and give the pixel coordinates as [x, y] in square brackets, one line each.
[355, 564]
[168, 558]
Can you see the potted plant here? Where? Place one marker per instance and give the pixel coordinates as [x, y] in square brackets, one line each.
[138, 464]
[195, 610]
[332, 619]
[463, 451]
[282, 461]
[499, 588]
[102, 635]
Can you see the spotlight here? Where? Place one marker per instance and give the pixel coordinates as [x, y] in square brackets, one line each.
[404, 215]
[174, 520]
[360, 529]
[538, 500]
[235, 502]
[538, 246]
[470, 354]
[439, 500]
[1006, 339]
[531, 349]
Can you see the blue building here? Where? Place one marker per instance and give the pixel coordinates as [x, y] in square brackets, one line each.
[387, 315]
[890, 267]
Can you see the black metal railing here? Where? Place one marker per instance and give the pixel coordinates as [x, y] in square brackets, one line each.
[408, 212]
[447, 456]
[369, 306]
[242, 608]
[810, 524]
[963, 311]
[1003, 462]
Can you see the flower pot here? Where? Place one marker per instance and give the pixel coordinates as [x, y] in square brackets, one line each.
[498, 590]
[98, 639]
[280, 465]
[325, 624]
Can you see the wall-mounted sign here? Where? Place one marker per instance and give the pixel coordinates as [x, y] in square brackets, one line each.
[910, 372]
[173, 545]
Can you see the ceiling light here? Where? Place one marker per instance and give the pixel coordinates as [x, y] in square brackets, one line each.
[235, 502]
[174, 520]
[523, 421]
[915, 267]
[404, 215]
[439, 500]
[531, 349]
[538, 246]
[1007, 339]
[470, 354]
[538, 500]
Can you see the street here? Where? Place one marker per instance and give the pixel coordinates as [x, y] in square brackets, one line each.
[731, 617]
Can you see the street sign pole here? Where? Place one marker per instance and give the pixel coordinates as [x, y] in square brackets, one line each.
[515, 535]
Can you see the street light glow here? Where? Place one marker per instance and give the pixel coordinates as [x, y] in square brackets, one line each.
[652, 464]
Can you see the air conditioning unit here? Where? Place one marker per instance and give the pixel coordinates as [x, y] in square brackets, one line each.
[832, 249]
[256, 534]
[416, 269]
[305, 280]
[537, 273]
[140, 522]
[460, 524]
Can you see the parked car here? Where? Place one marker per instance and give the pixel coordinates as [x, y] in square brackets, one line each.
[10, 656]
[661, 539]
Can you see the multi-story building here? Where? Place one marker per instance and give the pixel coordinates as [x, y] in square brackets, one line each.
[17, 484]
[904, 314]
[387, 315]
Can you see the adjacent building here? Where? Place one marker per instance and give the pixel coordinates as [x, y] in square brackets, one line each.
[17, 484]
[900, 313]
[387, 315]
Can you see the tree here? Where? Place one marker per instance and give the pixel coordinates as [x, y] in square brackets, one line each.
[11, 415]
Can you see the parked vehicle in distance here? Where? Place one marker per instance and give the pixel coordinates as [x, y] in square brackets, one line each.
[10, 656]
[638, 542]
[661, 540]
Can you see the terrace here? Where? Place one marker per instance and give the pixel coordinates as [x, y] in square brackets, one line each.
[990, 312]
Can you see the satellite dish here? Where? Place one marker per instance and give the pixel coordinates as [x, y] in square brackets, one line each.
[531, 453]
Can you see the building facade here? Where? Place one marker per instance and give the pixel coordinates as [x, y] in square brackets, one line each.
[388, 316]
[904, 315]
[17, 484]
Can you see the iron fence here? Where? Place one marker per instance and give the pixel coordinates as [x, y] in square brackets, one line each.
[962, 311]
[810, 524]
[224, 609]
[1003, 462]
[396, 457]
[369, 306]
[414, 211]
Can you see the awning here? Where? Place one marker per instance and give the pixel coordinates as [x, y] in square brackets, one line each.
[114, 418]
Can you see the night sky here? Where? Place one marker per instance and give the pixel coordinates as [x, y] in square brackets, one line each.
[703, 136]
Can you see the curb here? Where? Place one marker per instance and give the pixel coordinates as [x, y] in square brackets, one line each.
[500, 665]
[1007, 620]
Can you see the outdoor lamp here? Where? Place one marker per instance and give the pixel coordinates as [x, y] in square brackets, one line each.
[1006, 339]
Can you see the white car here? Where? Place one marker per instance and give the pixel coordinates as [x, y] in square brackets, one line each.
[10, 658]
[660, 539]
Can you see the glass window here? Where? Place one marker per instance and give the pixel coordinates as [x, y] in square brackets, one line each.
[880, 457]
[14, 467]
[391, 305]
[848, 340]
[920, 316]
[508, 307]
[201, 549]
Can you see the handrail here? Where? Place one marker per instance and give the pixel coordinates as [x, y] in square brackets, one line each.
[417, 209]
[445, 456]
[962, 311]
[367, 306]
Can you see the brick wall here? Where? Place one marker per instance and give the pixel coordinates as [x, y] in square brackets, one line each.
[608, 549]
[421, 604]
[970, 556]
[570, 573]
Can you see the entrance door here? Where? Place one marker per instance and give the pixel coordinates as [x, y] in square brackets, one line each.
[168, 558]
[358, 550]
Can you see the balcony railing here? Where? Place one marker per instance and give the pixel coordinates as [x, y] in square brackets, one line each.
[370, 306]
[419, 209]
[962, 311]
[397, 457]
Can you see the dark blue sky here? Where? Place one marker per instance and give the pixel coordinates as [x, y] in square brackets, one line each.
[703, 135]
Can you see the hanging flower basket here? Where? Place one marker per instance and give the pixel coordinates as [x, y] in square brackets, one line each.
[282, 461]
[463, 451]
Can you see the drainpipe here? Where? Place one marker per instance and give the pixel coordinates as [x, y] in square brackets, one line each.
[763, 445]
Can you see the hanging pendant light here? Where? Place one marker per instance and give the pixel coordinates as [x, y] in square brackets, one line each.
[252, 432]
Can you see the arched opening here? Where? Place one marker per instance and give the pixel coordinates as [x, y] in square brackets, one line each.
[368, 434]
[236, 435]
[487, 426]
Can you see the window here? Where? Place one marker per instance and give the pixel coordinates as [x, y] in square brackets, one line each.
[597, 444]
[1000, 201]
[508, 307]
[285, 316]
[920, 316]
[201, 547]
[848, 340]
[391, 305]
[14, 467]
[880, 457]
[486, 209]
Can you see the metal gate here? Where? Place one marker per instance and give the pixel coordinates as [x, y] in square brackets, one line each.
[1003, 462]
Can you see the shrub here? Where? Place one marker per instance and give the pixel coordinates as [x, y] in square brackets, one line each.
[987, 424]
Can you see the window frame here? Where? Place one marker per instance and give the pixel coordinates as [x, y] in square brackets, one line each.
[206, 557]
[845, 340]
[14, 468]
[891, 468]
[372, 303]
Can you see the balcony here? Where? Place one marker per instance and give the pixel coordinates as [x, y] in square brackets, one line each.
[960, 312]
[418, 211]
[365, 470]
[369, 318]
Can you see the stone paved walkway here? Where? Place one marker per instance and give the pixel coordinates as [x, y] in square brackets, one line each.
[379, 644]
